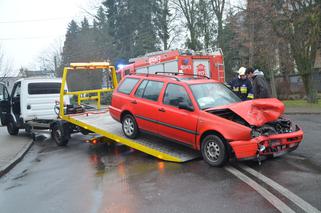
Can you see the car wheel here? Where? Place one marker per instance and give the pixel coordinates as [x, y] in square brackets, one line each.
[214, 150]
[58, 135]
[130, 127]
[12, 127]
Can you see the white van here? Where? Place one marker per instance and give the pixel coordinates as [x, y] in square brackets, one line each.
[31, 104]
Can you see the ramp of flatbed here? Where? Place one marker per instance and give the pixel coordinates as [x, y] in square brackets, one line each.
[103, 124]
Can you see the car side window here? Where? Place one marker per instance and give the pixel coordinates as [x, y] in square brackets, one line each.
[127, 85]
[152, 90]
[176, 94]
[140, 90]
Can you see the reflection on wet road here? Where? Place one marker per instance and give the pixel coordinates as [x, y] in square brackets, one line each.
[119, 179]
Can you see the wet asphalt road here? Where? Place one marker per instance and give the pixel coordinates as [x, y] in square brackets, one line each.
[117, 179]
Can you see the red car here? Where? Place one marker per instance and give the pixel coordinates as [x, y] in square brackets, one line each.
[204, 115]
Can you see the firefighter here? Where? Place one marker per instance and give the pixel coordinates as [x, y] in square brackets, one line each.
[241, 85]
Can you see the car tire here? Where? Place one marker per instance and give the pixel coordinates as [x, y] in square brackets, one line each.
[58, 135]
[214, 150]
[12, 127]
[129, 126]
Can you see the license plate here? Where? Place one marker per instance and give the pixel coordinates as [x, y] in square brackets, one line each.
[292, 145]
[275, 142]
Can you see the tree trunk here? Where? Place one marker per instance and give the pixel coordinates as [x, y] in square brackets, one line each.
[251, 7]
[220, 32]
[193, 39]
[309, 88]
[165, 44]
[272, 82]
[286, 66]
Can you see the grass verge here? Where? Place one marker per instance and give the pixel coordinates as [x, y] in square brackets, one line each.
[301, 104]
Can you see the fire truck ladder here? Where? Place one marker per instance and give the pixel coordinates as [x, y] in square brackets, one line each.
[101, 123]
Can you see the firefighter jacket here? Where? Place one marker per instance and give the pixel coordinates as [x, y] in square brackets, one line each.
[260, 86]
[242, 88]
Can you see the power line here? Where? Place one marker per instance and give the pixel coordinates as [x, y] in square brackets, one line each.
[29, 38]
[34, 20]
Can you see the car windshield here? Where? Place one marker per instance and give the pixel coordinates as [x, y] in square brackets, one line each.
[209, 95]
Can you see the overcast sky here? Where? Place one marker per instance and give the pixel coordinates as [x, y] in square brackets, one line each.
[27, 28]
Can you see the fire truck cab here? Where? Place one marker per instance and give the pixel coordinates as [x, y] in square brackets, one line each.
[207, 62]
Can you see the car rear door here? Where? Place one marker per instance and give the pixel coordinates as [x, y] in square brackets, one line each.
[178, 124]
[147, 104]
[4, 104]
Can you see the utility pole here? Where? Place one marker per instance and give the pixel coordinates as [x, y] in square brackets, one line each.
[55, 62]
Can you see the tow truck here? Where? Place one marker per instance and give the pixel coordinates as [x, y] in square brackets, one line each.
[98, 122]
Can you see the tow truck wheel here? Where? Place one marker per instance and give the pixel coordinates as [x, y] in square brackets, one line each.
[58, 135]
[214, 150]
[12, 127]
[129, 126]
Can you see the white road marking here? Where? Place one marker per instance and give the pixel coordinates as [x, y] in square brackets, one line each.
[276, 202]
[288, 194]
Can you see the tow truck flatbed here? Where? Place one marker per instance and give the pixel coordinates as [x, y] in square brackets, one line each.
[102, 123]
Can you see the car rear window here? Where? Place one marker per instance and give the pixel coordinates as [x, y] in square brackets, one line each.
[127, 85]
[44, 88]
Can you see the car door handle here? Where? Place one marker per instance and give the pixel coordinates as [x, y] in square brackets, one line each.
[161, 110]
[134, 102]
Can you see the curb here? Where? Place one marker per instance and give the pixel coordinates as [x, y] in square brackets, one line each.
[5, 169]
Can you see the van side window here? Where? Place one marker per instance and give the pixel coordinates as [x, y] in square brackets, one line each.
[152, 90]
[127, 85]
[44, 88]
[4, 96]
[17, 90]
[176, 94]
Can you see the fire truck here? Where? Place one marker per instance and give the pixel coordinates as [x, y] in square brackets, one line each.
[207, 62]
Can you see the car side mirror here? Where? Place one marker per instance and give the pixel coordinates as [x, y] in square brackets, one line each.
[183, 105]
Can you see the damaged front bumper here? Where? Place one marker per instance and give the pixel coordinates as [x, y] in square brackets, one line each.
[272, 145]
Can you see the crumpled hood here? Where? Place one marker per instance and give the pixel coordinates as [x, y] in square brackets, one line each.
[257, 112]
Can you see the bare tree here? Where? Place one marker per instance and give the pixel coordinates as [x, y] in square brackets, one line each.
[189, 11]
[5, 65]
[165, 21]
[299, 23]
[51, 59]
[206, 23]
[218, 8]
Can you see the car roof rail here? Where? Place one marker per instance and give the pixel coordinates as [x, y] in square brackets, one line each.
[177, 73]
[156, 74]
